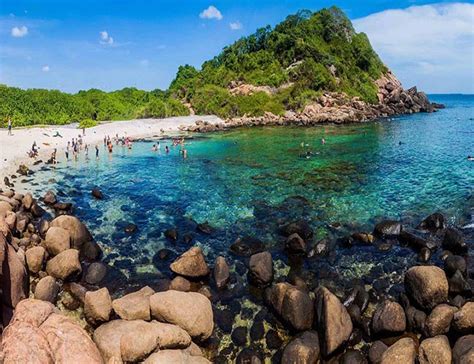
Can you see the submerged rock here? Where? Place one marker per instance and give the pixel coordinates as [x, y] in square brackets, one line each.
[454, 241]
[300, 227]
[97, 193]
[434, 221]
[221, 272]
[247, 246]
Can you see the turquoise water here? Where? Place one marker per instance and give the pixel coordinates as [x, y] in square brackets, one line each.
[249, 181]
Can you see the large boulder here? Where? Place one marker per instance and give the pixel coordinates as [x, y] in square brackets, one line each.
[134, 340]
[221, 273]
[36, 334]
[261, 269]
[463, 350]
[64, 265]
[57, 240]
[35, 258]
[403, 351]
[332, 319]
[304, 349]
[47, 289]
[463, 320]
[191, 264]
[292, 304]
[427, 286]
[4, 208]
[97, 306]
[135, 305]
[77, 230]
[189, 310]
[439, 320]
[433, 222]
[389, 318]
[435, 350]
[14, 280]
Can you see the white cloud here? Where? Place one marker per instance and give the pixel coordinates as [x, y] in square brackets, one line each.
[19, 32]
[431, 46]
[45, 68]
[105, 38]
[211, 13]
[235, 25]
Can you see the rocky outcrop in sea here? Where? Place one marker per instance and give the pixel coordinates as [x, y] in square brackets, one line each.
[56, 307]
[336, 108]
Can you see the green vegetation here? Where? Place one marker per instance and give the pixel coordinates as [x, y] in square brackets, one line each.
[298, 59]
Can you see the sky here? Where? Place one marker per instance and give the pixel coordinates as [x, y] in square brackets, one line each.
[110, 44]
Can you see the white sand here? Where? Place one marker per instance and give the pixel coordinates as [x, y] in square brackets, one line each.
[13, 149]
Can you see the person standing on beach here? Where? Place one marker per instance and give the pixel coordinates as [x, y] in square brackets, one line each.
[9, 126]
[96, 152]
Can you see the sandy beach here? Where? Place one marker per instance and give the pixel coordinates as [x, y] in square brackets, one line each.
[13, 149]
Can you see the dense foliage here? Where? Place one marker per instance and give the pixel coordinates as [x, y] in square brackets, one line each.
[307, 53]
[298, 59]
[37, 106]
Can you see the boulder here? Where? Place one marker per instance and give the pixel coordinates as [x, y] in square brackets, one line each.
[454, 241]
[463, 350]
[91, 251]
[300, 227]
[64, 265]
[302, 349]
[389, 318]
[435, 221]
[97, 306]
[221, 273]
[427, 286]
[97, 193]
[134, 306]
[28, 201]
[191, 264]
[189, 310]
[96, 272]
[69, 342]
[247, 246]
[352, 356]
[47, 289]
[175, 356]
[376, 351]
[179, 283]
[463, 320]
[37, 210]
[35, 258]
[332, 319]
[459, 285]
[452, 263]
[171, 234]
[435, 350]
[134, 340]
[77, 230]
[388, 228]
[57, 240]
[36, 334]
[439, 320]
[14, 279]
[295, 244]
[261, 269]
[293, 305]
[49, 198]
[403, 351]
[4, 208]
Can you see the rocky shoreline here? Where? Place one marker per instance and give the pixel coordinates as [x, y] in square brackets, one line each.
[337, 108]
[55, 299]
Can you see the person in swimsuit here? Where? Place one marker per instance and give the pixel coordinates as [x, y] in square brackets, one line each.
[96, 152]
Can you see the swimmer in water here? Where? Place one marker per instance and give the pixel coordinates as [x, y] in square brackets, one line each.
[323, 141]
[470, 158]
[167, 150]
[154, 149]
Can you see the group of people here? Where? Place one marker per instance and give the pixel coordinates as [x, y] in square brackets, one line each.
[76, 145]
[176, 142]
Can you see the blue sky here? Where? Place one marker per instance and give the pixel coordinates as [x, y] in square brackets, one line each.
[110, 44]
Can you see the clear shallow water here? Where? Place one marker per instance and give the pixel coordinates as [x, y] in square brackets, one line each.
[250, 181]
